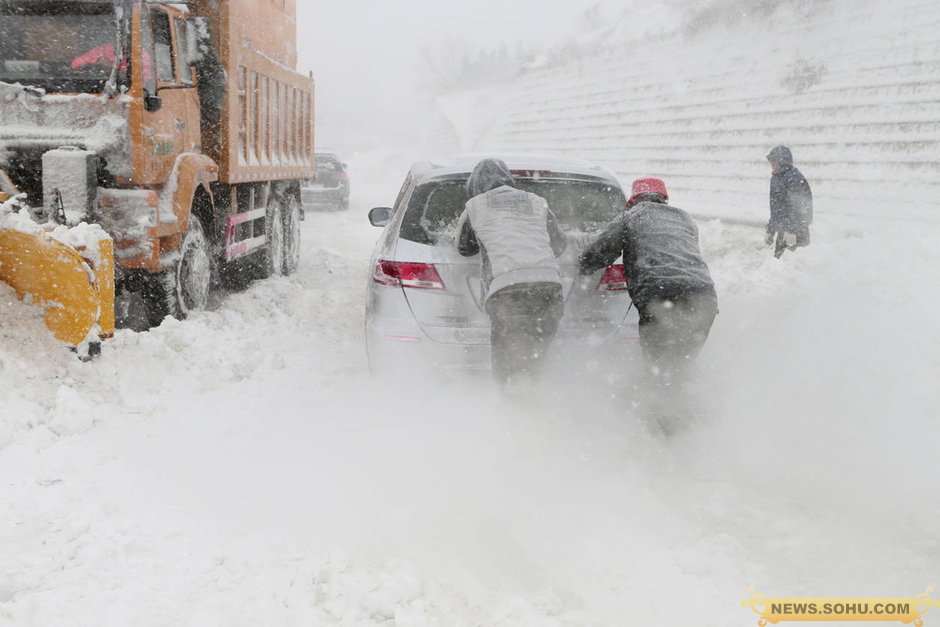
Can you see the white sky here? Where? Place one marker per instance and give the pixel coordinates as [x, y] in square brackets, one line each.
[365, 54]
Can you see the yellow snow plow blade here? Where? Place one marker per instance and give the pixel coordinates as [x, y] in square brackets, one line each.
[74, 287]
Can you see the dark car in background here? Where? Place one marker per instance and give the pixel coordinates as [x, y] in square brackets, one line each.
[425, 301]
[329, 187]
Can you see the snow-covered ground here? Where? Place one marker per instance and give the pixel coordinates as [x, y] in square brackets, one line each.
[244, 467]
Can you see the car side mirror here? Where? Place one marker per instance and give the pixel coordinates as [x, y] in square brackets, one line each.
[152, 103]
[380, 216]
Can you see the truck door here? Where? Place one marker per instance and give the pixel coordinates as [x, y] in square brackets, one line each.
[171, 104]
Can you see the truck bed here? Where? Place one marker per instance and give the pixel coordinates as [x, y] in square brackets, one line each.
[266, 130]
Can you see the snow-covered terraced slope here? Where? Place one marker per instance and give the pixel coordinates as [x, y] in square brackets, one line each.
[852, 86]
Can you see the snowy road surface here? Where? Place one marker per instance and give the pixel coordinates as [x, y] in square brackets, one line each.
[245, 468]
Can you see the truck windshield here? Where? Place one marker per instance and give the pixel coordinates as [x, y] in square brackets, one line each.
[65, 47]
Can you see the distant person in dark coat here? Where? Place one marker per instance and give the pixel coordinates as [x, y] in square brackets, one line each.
[791, 204]
[518, 240]
[668, 280]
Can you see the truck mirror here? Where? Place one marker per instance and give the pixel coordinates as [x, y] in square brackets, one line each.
[152, 103]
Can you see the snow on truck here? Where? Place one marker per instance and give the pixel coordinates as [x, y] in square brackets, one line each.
[148, 151]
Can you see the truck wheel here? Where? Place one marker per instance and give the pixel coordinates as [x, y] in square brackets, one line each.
[194, 271]
[183, 288]
[273, 256]
[291, 235]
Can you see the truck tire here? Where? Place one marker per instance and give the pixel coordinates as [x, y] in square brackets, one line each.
[291, 234]
[272, 259]
[183, 288]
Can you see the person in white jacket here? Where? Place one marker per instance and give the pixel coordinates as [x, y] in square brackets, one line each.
[518, 240]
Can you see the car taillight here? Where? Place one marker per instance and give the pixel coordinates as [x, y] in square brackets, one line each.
[614, 278]
[407, 274]
[338, 175]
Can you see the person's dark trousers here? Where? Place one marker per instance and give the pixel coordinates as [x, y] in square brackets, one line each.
[802, 239]
[524, 319]
[674, 329]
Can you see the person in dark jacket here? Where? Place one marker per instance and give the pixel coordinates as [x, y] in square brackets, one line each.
[518, 240]
[791, 203]
[667, 278]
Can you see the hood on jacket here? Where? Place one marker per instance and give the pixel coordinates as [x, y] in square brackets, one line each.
[488, 174]
[780, 155]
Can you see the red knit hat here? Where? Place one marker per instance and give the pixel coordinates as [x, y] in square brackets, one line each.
[648, 186]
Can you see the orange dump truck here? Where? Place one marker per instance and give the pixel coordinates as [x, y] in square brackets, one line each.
[181, 129]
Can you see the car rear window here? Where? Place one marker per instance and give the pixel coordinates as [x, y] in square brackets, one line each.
[579, 205]
[328, 164]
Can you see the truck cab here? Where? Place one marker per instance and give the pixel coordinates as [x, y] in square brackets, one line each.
[160, 122]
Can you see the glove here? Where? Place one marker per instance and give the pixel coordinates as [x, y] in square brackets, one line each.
[789, 239]
[583, 241]
[769, 239]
